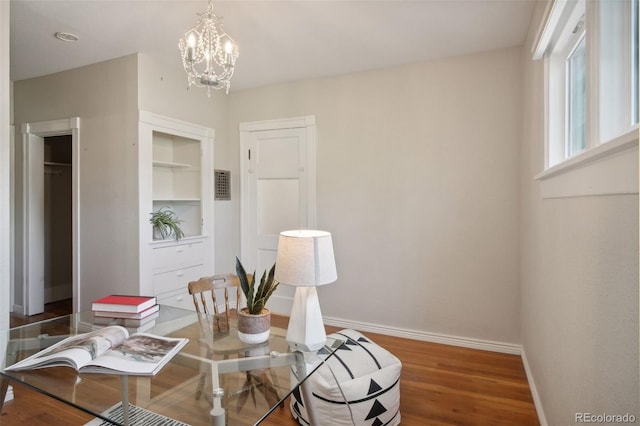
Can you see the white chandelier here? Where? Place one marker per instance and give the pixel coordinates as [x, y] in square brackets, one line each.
[208, 53]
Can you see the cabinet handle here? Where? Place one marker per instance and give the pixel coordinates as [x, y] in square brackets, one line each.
[179, 298]
[180, 249]
[179, 273]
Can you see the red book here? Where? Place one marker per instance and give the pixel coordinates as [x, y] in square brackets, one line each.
[117, 303]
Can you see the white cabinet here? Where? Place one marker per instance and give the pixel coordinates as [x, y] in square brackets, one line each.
[174, 265]
[176, 172]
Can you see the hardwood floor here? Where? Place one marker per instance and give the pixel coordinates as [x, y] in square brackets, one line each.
[440, 385]
[448, 385]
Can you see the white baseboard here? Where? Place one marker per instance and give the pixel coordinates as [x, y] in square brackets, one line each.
[534, 390]
[18, 309]
[9, 396]
[466, 342]
[282, 305]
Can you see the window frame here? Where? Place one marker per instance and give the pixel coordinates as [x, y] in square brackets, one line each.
[555, 39]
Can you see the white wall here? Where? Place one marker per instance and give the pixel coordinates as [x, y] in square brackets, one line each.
[579, 273]
[5, 207]
[417, 180]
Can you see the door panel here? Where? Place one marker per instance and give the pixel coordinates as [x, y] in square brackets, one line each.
[278, 205]
[278, 152]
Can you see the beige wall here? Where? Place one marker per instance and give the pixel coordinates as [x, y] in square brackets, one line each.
[162, 89]
[417, 180]
[579, 274]
[104, 96]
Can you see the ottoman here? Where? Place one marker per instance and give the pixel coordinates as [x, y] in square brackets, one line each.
[369, 382]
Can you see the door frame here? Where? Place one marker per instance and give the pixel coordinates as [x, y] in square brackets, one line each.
[33, 234]
[247, 251]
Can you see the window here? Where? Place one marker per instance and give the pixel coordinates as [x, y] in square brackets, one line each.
[576, 100]
[617, 64]
[590, 51]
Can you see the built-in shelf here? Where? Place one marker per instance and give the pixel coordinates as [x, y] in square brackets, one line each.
[176, 172]
[51, 163]
[171, 165]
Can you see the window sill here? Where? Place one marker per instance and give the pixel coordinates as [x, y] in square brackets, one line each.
[608, 169]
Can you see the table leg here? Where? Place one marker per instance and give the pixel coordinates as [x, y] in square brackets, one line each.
[4, 385]
[217, 413]
[305, 388]
[307, 396]
[124, 389]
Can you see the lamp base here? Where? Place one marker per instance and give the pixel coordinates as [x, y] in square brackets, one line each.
[306, 328]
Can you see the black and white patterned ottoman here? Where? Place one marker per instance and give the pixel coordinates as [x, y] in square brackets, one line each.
[369, 378]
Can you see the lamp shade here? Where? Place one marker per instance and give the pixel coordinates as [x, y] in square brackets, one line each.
[305, 258]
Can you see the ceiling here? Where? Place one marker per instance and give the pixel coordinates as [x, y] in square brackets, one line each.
[279, 41]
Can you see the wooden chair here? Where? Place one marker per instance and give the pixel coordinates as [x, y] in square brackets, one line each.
[204, 292]
[216, 335]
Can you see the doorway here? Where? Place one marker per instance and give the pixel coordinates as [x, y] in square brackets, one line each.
[50, 213]
[58, 242]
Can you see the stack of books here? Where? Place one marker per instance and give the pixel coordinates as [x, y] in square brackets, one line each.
[137, 313]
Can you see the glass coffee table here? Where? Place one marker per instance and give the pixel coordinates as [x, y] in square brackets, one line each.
[213, 382]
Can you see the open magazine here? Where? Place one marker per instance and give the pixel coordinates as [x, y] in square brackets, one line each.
[109, 350]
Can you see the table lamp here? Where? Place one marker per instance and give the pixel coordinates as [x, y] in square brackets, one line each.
[305, 259]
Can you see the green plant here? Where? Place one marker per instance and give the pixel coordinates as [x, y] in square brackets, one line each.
[167, 223]
[256, 299]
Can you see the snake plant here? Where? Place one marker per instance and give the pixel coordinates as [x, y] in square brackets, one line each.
[256, 298]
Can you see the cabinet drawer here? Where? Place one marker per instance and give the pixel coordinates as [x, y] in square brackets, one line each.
[176, 280]
[177, 256]
[177, 299]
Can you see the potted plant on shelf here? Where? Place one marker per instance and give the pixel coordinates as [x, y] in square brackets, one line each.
[166, 223]
[254, 321]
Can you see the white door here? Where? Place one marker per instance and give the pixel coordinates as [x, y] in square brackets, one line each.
[34, 230]
[278, 190]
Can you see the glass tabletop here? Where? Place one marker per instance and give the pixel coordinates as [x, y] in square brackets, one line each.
[212, 380]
